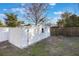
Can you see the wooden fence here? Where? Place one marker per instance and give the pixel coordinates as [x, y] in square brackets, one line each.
[67, 31]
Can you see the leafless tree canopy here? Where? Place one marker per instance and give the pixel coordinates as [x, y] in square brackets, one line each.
[37, 12]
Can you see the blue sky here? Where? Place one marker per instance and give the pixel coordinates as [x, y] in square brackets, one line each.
[54, 10]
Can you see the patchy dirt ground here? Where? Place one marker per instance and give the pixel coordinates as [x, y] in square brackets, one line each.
[52, 46]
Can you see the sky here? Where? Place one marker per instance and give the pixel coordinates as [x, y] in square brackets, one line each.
[54, 10]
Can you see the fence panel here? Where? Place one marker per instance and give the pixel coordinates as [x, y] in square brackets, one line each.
[4, 34]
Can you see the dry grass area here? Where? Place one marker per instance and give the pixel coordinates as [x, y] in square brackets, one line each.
[52, 46]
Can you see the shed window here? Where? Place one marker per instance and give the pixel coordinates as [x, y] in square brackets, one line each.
[42, 30]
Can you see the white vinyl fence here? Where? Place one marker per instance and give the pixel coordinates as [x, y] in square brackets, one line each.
[23, 37]
[4, 34]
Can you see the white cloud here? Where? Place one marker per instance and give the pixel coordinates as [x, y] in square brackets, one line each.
[4, 9]
[58, 13]
[2, 16]
[22, 11]
[55, 19]
[23, 4]
[52, 4]
[18, 10]
[15, 9]
[58, 17]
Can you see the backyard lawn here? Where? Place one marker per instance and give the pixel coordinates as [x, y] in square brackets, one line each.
[52, 46]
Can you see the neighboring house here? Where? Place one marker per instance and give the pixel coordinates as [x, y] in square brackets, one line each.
[25, 35]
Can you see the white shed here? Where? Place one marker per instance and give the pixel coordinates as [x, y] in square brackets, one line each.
[25, 36]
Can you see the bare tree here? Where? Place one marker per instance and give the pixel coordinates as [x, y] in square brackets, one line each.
[37, 12]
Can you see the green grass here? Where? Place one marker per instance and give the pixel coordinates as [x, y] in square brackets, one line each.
[39, 49]
[56, 45]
